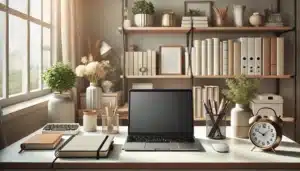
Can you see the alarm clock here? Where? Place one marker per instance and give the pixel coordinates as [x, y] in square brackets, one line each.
[265, 132]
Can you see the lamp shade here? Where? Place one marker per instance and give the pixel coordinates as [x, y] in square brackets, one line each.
[104, 49]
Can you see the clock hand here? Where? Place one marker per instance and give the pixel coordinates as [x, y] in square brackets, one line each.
[266, 132]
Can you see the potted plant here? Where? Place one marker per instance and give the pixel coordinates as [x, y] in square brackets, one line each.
[241, 91]
[93, 71]
[143, 13]
[60, 78]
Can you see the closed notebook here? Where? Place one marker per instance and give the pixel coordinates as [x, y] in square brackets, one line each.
[42, 142]
[86, 146]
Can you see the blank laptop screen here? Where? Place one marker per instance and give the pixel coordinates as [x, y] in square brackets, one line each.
[161, 112]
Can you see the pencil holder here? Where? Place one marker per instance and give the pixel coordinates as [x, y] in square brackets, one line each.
[216, 126]
[110, 124]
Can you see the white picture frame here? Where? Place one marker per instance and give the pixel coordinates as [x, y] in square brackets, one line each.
[171, 60]
[205, 8]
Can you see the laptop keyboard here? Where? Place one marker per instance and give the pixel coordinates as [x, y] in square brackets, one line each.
[155, 139]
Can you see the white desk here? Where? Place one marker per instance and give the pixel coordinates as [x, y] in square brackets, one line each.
[240, 157]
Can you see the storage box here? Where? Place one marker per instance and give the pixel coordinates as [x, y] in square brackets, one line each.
[272, 101]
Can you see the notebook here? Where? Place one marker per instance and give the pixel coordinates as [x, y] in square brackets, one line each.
[42, 142]
[86, 146]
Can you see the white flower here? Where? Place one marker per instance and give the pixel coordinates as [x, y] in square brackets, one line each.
[91, 68]
[84, 60]
[80, 71]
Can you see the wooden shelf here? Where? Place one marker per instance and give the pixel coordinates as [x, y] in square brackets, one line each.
[207, 77]
[157, 77]
[203, 29]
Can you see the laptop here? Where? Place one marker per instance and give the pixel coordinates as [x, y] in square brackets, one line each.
[161, 120]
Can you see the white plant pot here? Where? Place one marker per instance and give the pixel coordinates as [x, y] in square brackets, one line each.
[143, 20]
[61, 109]
[93, 96]
[240, 116]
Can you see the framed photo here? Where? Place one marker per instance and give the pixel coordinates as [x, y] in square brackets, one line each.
[199, 8]
[171, 60]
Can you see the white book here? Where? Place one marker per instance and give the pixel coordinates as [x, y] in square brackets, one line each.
[149, 66]
[203, 57]
[195, 18]
[225, 57]
[153, 63]
[216, 90]
[251, 54]
[244, 55]
[193, 57]
[221, 58]
[198, 59]
[258, 56]
[130, 63]
[140, 59]
[145, 62]
[126, 69]
[136, 63]
[187, 62]
[199, 102]
[210, 57]
[204, 100]
[216, 53]
[195, 22]
[280, 55]
[194, 25]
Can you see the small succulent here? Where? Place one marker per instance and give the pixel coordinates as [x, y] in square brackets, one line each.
[143, 7]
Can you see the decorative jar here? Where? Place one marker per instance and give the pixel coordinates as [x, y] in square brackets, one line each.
[90, 120]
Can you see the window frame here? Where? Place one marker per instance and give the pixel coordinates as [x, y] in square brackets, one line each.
[28, 94]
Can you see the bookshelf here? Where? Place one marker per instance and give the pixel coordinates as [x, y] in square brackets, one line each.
[206, 77]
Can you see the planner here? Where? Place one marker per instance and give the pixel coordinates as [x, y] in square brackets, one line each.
[244, 55]
[251, 54]
[258, 55]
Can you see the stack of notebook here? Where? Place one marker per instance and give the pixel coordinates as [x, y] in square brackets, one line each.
[42, 142]
[198, 21]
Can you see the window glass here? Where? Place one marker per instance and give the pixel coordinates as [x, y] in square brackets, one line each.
[47, 11]
[35, 55]
[20, 5]
[46, 50]
[2, 50]
[3, 1]
[36, 8]
[17, 54]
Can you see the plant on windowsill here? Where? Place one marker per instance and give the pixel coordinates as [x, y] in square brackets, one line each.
[241, 91]
[143, 13]
[61, 79]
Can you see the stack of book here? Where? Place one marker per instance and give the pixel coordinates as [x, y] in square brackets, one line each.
[198, 21]
[246, 55]
[202, 95]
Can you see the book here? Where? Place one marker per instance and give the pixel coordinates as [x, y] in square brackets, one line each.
[187, 62]
[230, 57]
[145, 61]
[193, 57]
[87, 146]
[251, 53]
[216, 44]
[280, 55]
[136, 63]
[266, 56]
[258, 55]
[237, 58]
[195, 18]
[199, 102]
[140, 60]
[221, 58]
[42, 142]
[153, 63]
[194, 25]
[225, 58]
[126, 63]
[203, 57]
[149, 66]
[194, 22]
[273, 55]
[130, 63]
[244, 55]
[209, 57]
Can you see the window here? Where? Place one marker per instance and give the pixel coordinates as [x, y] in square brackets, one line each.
[25, 49]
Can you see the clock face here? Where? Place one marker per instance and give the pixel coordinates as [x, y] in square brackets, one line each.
[263, 134]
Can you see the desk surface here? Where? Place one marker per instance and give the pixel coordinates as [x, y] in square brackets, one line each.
[287, 156]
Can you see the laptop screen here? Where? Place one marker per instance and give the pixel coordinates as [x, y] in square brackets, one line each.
[161, 112]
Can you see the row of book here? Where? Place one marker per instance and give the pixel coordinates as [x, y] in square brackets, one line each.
[198, 21]
[202, 95]
[140, 63]
[246, 55]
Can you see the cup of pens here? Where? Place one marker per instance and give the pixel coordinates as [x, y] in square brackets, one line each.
[110, 120]
[216, 119]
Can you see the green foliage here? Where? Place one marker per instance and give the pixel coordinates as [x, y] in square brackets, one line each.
[241, 89]
[59, 77]
[194, 12]
[143, 7]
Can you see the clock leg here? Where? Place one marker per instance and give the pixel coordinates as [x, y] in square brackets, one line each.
[253, 148]
[273, 150]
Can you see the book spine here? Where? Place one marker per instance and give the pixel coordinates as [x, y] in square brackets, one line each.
[216, 91]
[216, 47]
[258, 55]
[280, 56]
[230, 57]
[221, 58]
[199, 102]
[140, 60]
[273, 55]
[136, 63]
[266, 56]
[149, 67]
[225, 58]
[197, 45]
[244, 55]
[145, 62]
[193, 53]
[251, 53]
[153, 63]
[209, 57]
[203, 57]
[126, 63]
[186, 62]
[194, 102]
[205, 100]
[237, 58]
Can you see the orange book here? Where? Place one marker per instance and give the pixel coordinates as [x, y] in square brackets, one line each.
[266, 56]
[42, 142]
[273, 55]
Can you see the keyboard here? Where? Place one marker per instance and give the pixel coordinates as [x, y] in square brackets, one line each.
[156, 139]
[61, 128]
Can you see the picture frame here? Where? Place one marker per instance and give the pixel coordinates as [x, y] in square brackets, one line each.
[205, 8]
[171, 60]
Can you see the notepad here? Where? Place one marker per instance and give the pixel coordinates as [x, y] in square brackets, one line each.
[42, 142]
[87, 146]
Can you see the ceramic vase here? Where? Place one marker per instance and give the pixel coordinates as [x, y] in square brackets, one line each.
[107, 86]
[221, 16]
[256, 19]
[61, 109]
[93, 96]
[240, 116]
[238, 15]
[143, 20]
